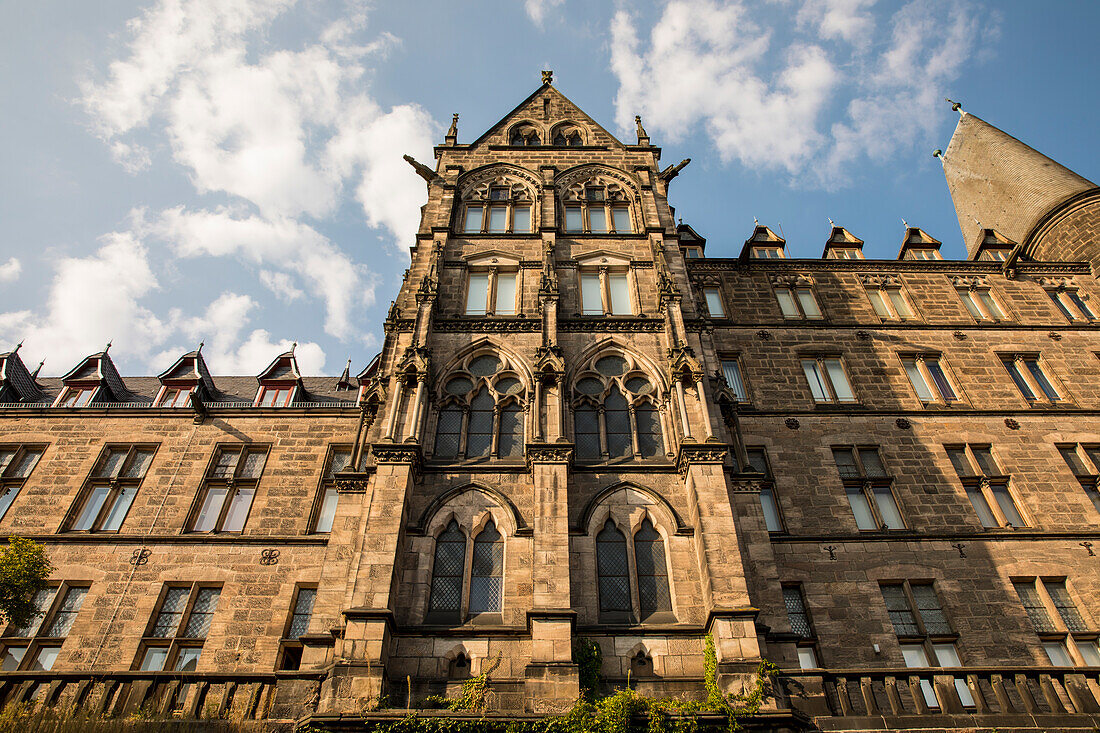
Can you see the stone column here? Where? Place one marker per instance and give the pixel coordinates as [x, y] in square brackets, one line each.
[552, 681]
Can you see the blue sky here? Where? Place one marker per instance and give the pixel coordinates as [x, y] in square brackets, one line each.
[230, 170]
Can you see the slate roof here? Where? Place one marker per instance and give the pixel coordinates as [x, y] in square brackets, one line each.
[229, 389]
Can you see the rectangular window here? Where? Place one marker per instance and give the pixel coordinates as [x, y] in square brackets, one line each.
[36, 646]
[890, 303]
[620, 294]
[324, 507]
[178, 628]
[923, 253]
[227, 492]
[1063, 632]
[828, 380]
[109, 491]
[591, 295]
[1030, 378]
[929, 379]
[473, 220]
[758, 463]
[301, 611]
[597, 219]
[845, 253]
[620, 216]
[693, 253]
[731, 370]
[986, 486]
[867, 486]
[77, 396]
[995, 255]
[175, 397]
[506, 294]
[981, 304]
[16, 464]
[1071, 304]
[799, 619]
[767, 253]
[498, 219]
[477, 294]
[925, 636]
[276, 396]
[714, 302]
[798, 303]
[574, 220]
[1084, 462]
[521, 223]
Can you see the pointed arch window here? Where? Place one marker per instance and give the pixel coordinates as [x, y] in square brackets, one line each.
[614, 572]
[445, 604]
[615, 412]
[487, 574]
[482, 411]
[649, 559]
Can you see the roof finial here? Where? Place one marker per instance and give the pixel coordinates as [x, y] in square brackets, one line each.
[831, 221]
[641, 130]
[937, 153]
[293, 346]
[34, 374]
[18, 346]
[755, 222]
[108, 347]
[201, 344]
[904, 223]
[547, 77]
[453, 131]
[956, 106]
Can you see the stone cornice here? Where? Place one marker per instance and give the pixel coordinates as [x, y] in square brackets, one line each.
[616, 324]
[487, 324]
[947, 267]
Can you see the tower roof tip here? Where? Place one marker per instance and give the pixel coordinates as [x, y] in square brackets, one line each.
[955, 106]
[547, 77]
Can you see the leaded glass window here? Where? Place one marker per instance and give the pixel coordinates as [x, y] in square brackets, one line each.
[482, 410]
[487, 575]
[649, 560]
[613, 570]
[616, 411]
[447, 572]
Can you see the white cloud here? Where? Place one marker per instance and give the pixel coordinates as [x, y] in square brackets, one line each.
[537, 9]
[10, 270]
[281, 284]
[93, 300]
[286, 243]
[226, 352]
[716, 67]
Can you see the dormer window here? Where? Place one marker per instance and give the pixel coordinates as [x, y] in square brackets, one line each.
[845, 253]
[923, 253]
[996, 255]
[77, 396]
[175, 397]
[276, 396]
[693, 253]
[768, 253]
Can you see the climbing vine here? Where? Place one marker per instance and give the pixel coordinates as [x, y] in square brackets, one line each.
[622, 711]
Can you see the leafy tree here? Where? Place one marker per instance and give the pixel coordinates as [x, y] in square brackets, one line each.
[24, 569]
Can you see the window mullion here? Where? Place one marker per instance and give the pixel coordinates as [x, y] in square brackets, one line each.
[494, 437]
[915, 611]
[869, 496]
[826, 379]
[603, 431]
[991, 501]
[929, 382]
[491, 293]
[467, 577]
[633, 429]
[463, 430]
[605, 294]
[1036, 389]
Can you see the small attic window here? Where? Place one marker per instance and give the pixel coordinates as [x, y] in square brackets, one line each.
[77, 396]
[845, 253]
[997, 255]
[175, 397]
[767, 253]
[693, 252]
[276, 396]
[923, 253]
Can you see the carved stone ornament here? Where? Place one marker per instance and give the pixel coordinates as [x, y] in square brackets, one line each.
[1011, 424]
[792, 423]
[548, 453]
[348, 482]
[959, 336]
[270, 556]
[568, 182]
[1057, 283]
[903, 423]
[400, 453]
[699, 453]
[969, 281]
[487, 325]
[750, 485]
[1055, 335]
[880, 281]
[140, 556]
[523, 184]
[803, 279]
[640, 324]
[763, 334]
[863, 335]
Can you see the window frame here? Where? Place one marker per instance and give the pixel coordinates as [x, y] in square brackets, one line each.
[635, 401]
[492, 273]
[826, 380]
[841, 253]
[70, 396]
[718, 300]
[923, 253]
[276, 389]
[977, 308]
[464, 616]
[807, 641]
[869, 486]
[177, 391]
[629, 529]
[176, 642]
[448, 401]
[116, 485]
[1068, 300]
[884, 292]
[979, 483]
[290, 647]
[920, 362]
[765, 252]
[605, 273]
[1071, 641]
[793, 294]
[34, 643]
[11, 484]
[767, 488]
[586, 204]
[1024, 376]
[511, 203]
[326, 484]
[233, 484]
[1083, 454]
[742, 397]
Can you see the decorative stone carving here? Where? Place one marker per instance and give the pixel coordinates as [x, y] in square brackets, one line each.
[880, 281]
[269, 556]
[903, 423]
[1011, 424]
[792, 423]
[763, 334]
[699, 453]
[803, 279]
[549, 453]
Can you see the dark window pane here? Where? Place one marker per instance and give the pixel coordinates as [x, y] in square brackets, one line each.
[617, 420]
[872, 464]
[303, 610]
[198, 624]
[758, 459]
[511, 431]
[586, 432]
[480, 435]
[447, 432]
[649, 431]
[66, 613]
[450, 558]
[1069, 453]
[984, 457]
[928, 605]
[845, 463]
[940, 379]
[960, 462]
[649, 561]
[487, 576]
[611, 566]
[171, 611]
[1034, 607]
[1018, 378]
[901, 616]
[796, 612]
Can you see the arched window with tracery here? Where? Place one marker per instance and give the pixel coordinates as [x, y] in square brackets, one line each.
[597, 205]
[632, 575]
[615, 411]
[448, 569]
[481, 412]
[525, 134]
[566, 135]
[500, 204]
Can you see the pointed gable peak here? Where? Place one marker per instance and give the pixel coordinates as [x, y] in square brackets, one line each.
[191, 367]
[762, 234]
[344, 383]
[547, 118]
[917, 237]
[100, 369]
[283, 368]
[992, 238]
[16, 383]
[841, 236]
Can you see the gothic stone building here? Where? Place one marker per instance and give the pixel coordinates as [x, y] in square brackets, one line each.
[881, 475]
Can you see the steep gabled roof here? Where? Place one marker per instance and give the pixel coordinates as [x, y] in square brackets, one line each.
[841, 238]
[101, 368]
[989, 239]
[1000, 183]
[530, 108]
[917, 238]
[16, 383]
[284, 367]
[190, 366]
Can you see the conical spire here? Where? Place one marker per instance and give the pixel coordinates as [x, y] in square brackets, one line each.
[999, 181]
